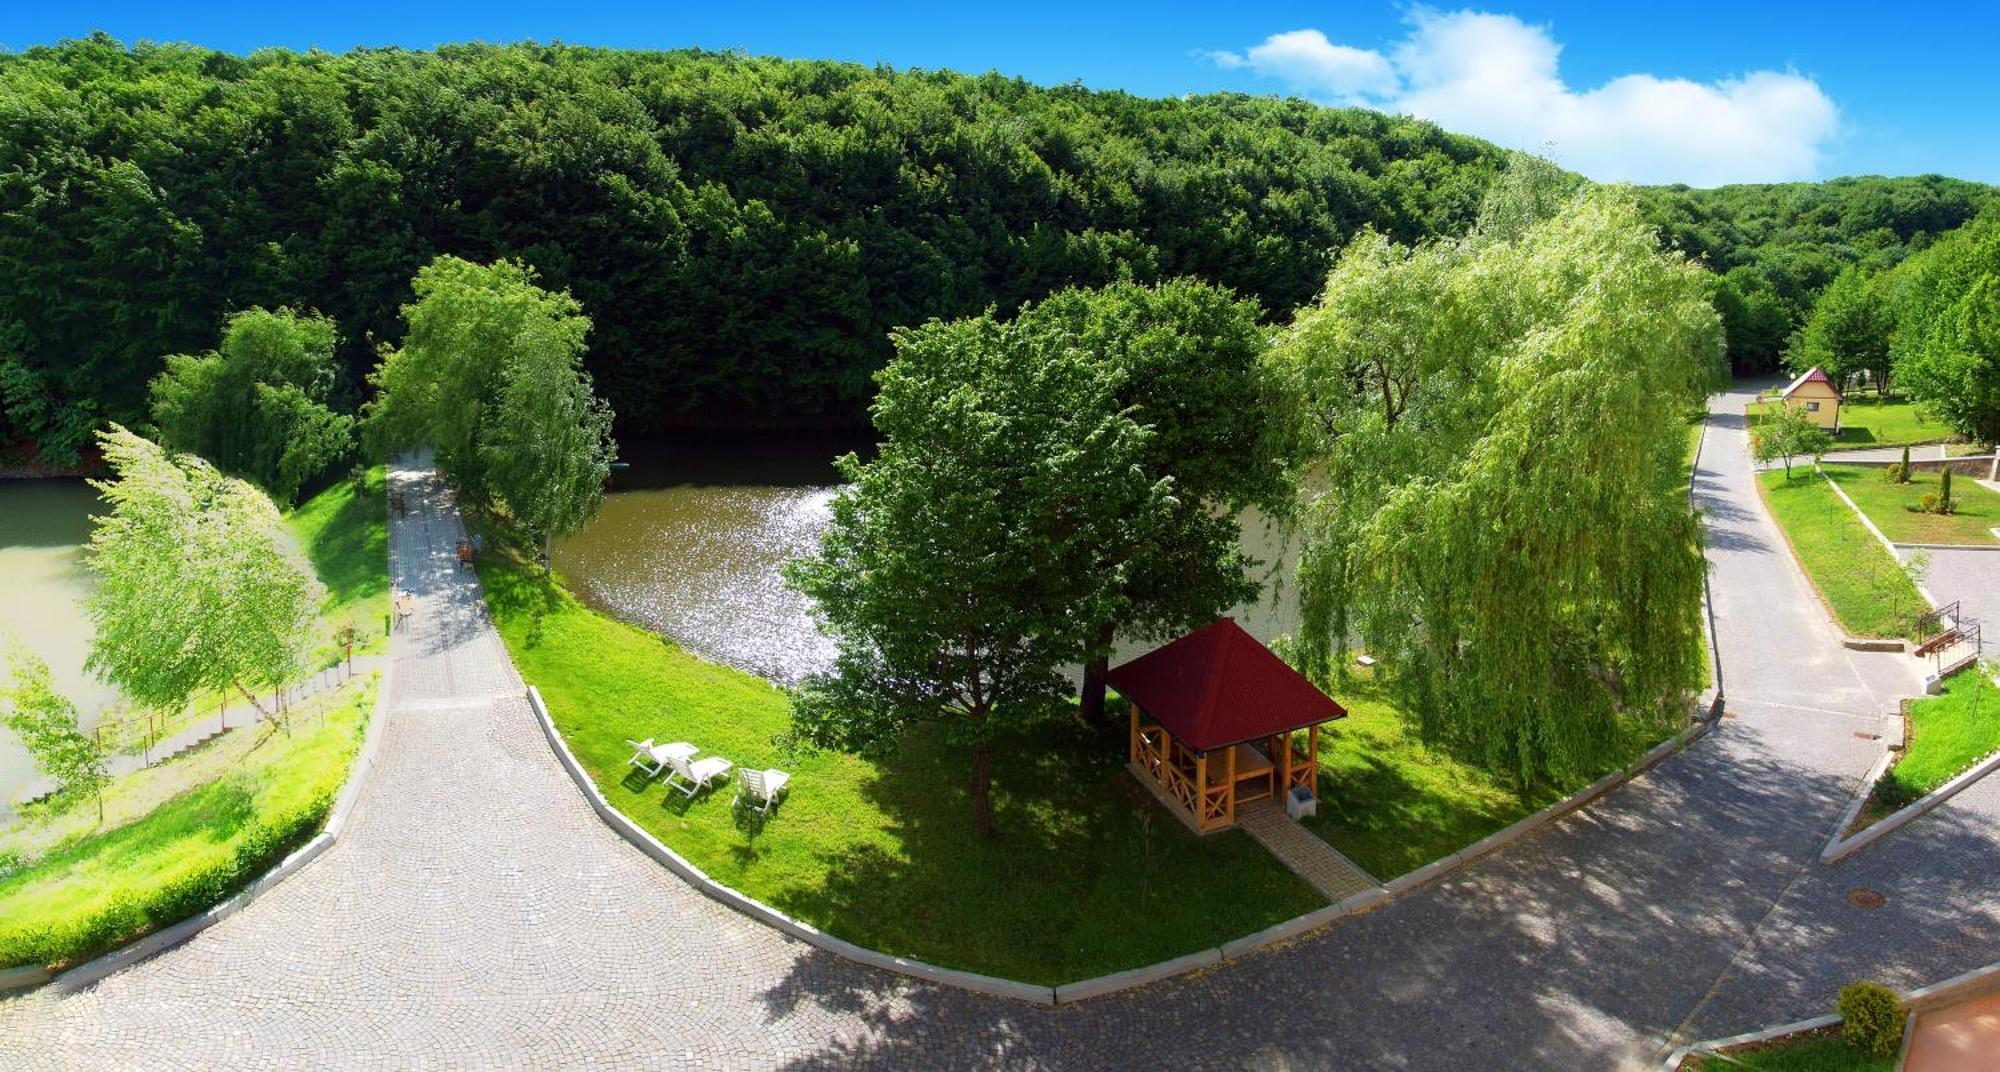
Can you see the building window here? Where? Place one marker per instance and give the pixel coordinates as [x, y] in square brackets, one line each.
[1812, 407]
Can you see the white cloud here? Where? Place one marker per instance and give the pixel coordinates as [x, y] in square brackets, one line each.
[1497, 77]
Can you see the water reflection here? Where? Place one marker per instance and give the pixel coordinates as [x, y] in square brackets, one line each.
[693, 538]
[43, 526]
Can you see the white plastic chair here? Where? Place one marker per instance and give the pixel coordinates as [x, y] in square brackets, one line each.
[759, 789]
[653, 758]
[691, 777]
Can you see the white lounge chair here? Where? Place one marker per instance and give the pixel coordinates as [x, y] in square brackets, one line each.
[759, 789]
[653, 758]
[693, 776]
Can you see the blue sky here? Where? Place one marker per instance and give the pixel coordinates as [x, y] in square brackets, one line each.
[1693, 91]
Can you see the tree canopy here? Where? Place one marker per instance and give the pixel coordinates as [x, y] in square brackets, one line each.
[199, 588]
[1501, 519]
[1946, 349]
[745, 231]
[45, 722]
[256, 406]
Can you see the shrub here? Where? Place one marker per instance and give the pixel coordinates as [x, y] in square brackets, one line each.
[1944, 491]
[1903, 469]
[1897, 473]
[1934, 503]
[1872, 1018]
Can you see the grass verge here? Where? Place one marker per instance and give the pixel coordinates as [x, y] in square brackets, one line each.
[1893, 507]
[1392, 804]
[1948, 733]
[100, 889]
[345, 533]
[1086, 873]
[1822, 1050]
[1863, 588]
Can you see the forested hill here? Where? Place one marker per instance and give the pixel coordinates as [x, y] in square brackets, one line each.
[744, 232]
[1777, 246]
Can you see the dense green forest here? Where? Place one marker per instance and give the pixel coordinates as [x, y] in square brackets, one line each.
[1775, 248]
[742, 232]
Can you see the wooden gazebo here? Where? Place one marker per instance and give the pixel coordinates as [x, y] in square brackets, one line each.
[1215, 721]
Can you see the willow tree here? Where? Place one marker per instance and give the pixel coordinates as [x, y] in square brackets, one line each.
[1502, 521]
[199, 588]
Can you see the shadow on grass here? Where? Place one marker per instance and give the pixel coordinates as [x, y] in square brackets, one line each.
[1085, 873]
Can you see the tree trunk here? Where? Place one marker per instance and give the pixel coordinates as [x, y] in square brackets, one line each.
[1092, 700]
[982, 788]
[548, 546]
[268, 716]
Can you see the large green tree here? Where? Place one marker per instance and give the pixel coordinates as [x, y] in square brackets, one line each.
[547, 444]
[1499, 515]
[469, 331]
[256, 407]
[199, 588]
[1183, 361]
[1847, 333]
[1947, 343]
[958, 575]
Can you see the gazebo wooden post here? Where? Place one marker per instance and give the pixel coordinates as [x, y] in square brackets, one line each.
[1284, 751]
[1133, 752]
[1200, 790]
[1312, 759]
[1229, 765]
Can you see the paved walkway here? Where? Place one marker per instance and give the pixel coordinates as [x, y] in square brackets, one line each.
[1958, 1038]
[476, 914]
[1333, 875]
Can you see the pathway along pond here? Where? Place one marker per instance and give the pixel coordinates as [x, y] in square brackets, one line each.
[43, 527]
[693, 539]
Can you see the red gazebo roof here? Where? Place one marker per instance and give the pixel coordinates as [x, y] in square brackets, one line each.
[1218, 686]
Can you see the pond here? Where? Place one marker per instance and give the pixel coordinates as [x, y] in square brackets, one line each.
[693, 538]
[43, 526]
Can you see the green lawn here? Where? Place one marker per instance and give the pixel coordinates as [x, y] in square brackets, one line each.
[1893, 507]
[345, 532]
[100, 889]
[1948, 733]
[1868, 420]
[1822, 1051]
[1860, 583]
[1392, 805]
[1086, 874]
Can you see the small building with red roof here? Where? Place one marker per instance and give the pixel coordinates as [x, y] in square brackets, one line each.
[1215, 721]
[1816, 394]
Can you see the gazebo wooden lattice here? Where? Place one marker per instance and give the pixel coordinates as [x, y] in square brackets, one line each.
[1215, 721]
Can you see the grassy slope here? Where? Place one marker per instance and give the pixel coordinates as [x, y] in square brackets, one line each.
[1892, 507]
[182, 835]
[1948, 733]
[346, 535]
[883, 853]
[102, 889]
[1860, 583]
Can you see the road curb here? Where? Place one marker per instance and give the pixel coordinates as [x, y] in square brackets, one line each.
[1837, 850]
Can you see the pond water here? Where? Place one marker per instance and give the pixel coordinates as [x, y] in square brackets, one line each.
[43, 526]
[694, 536]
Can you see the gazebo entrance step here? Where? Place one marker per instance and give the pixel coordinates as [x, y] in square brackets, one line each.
[1333, 875]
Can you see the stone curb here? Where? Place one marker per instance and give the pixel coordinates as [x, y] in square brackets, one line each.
[1126, 980]
[1837, 850]
[1854, 806]
[1953, 546]
[1969, 984]
[160, 941]
[1673, 1061]
[755, 909]
[1872, 644]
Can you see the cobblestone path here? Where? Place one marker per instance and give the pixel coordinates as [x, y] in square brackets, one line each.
[475, 913]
